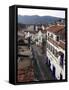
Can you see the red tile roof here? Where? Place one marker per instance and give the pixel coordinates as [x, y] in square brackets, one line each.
[62, 44]
[57, 44]
[25, 71]
[55, 28]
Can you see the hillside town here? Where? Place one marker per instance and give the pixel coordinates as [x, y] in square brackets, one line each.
[41, 52]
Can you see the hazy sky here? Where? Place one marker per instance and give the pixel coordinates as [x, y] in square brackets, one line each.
[41, 12]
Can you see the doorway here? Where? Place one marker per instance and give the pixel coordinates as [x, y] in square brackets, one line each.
[54, 71]
[61, 77]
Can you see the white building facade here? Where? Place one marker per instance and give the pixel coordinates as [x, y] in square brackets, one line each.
[56, 52]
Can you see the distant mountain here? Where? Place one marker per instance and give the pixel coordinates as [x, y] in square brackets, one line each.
[35, 19]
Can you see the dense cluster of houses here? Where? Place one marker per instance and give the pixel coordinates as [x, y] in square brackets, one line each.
[25, 70]
[36, 32]
[55, 45]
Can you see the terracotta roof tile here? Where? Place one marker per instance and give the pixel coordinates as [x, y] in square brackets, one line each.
[55, 28]
[62, 44]
[57, 44]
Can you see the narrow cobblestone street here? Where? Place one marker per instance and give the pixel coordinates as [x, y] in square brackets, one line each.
[44, 70]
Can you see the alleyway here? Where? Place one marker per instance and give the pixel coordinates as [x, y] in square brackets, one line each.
[44, 70]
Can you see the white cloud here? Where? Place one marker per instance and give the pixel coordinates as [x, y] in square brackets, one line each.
[41, 12]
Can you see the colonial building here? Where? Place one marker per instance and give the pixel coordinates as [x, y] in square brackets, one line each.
[37, 34]
[56, 50]
[40, 27]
